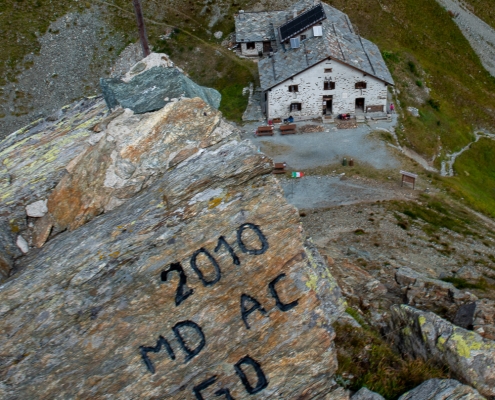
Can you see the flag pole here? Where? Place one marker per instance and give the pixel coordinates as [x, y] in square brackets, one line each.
[141, 27]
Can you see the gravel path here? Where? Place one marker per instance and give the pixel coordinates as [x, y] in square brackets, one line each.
[480, 35]
[313, 192]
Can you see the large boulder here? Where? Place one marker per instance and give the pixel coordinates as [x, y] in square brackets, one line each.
[424, 334]
[431, 294]
[133, 152]
[442, 389]
[199, 285]
[151, 84]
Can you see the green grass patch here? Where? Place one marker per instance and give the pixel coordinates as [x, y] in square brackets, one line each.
[475, 176]
[461, 283]
[354, 314]
[435, 214]
[372, 362]
[233, 102]
[427, 46]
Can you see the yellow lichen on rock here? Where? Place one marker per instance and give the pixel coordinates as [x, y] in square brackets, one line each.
[466, 343]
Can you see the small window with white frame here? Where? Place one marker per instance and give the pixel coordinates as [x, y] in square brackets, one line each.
[296, 107]
[250, 45]
[293, 88]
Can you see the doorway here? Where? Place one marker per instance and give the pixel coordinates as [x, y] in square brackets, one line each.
[360, 104]
[327, 105]
[267, 47]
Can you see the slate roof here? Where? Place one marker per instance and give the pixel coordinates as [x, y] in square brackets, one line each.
[257, 26]
[339, 42]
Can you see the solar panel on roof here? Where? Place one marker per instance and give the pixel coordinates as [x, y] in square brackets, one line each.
[302, 22]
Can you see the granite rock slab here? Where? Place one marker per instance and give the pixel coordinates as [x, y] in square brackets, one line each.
[468, 355]
[200, 285]
[442, 389]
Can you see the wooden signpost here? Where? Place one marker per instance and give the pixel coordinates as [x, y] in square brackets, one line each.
[408, 177]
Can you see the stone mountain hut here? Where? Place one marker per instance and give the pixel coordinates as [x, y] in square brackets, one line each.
[315, 64]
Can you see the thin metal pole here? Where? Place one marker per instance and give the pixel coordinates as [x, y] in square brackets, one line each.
[142, 29]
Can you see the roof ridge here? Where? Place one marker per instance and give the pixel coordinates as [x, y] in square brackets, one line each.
[367, 56]
[338, 41]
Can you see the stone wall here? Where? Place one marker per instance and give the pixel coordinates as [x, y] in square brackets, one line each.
[311, 91]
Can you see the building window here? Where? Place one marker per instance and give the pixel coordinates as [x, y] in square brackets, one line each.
[328, 70]
[303, 37]
[360, 85]
[250, 45]
[328, 85]
[295, 106]
[293, 88]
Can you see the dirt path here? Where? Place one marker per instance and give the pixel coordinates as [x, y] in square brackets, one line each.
[317, 192]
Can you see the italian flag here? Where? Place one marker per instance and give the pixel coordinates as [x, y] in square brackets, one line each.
[297, 174]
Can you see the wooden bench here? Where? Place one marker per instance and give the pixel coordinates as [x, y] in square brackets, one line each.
[277, 120]
[279, 168]
[287, 129]
[264, 131]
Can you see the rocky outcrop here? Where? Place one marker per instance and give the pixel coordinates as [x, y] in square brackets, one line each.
[426, 335]
[484, 318]
[440, 389]
[359, 286]
[432, 294]
[468, 273]
[133, 152]
[366, 394]
[478, 316]
[151, 84]
[199, 284]
[34, 159]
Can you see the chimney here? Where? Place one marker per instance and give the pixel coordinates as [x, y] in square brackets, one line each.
[241, 15]
[294, 13]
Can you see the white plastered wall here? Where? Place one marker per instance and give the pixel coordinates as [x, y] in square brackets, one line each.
[252, 52]
[311, 91]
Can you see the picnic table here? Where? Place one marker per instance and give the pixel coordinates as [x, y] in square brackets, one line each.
[287, 129]
[279, 168]
[264, 131]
